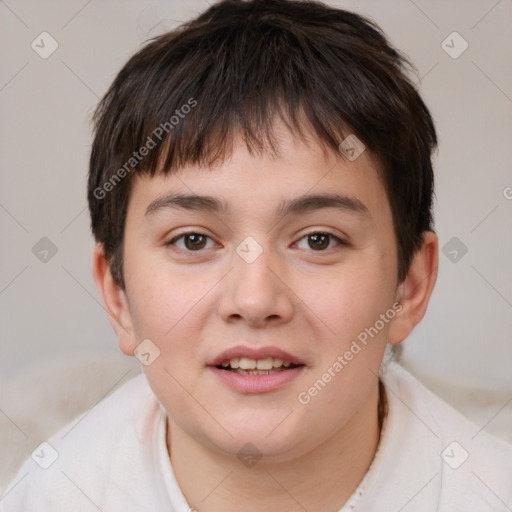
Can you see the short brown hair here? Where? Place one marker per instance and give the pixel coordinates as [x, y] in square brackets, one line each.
[236, 67]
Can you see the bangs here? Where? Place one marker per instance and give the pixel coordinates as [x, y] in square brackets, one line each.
[210, 144]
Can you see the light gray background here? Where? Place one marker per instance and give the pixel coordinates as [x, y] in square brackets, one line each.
[50, 309]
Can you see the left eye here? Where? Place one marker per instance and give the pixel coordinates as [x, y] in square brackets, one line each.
[320, 241]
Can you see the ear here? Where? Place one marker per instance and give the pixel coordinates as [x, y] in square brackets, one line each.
[414, 292]
[115, 302]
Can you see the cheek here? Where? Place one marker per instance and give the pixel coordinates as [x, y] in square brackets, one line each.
[346, 307]
[161, 301]
[350, 299]
[168, 308]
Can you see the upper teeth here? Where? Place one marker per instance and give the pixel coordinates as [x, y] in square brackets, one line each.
[251, 364]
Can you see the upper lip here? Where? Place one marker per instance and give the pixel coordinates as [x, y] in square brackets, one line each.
[254, 353]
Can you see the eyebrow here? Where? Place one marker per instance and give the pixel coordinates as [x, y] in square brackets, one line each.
[299, 205]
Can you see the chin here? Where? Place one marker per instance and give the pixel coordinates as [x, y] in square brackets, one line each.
[270, 437]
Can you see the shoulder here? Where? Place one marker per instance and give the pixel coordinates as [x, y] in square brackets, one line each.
[85, 459]
[469, 467]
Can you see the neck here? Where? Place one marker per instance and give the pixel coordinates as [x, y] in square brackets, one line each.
[322, 479]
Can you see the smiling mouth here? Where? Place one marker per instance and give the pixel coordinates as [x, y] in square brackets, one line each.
[247, 366]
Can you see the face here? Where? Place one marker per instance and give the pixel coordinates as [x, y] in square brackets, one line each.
[302, 283]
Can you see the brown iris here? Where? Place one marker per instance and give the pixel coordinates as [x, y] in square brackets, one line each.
[194, 241]
[321, 240]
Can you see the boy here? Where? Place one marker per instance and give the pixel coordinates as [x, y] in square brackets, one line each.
[260, 190]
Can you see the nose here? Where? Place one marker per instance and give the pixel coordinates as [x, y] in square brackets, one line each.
[255, 291]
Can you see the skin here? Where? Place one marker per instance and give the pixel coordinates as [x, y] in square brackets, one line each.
[310, 302]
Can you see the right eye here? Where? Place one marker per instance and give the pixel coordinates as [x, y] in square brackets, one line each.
[192, 241]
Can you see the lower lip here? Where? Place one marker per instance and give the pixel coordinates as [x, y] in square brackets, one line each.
[257, 383]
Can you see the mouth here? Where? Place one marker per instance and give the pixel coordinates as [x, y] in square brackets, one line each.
[249, 366]
[249, 369]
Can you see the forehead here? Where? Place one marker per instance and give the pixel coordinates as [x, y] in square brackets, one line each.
[301, 177]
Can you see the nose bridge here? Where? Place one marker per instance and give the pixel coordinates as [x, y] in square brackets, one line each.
[254, 291]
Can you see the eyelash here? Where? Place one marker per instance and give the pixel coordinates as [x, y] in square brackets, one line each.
[331, 235]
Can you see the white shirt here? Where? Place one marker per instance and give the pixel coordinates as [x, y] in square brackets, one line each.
[114, 458]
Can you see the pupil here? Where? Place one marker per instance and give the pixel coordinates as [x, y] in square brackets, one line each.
[316, 237]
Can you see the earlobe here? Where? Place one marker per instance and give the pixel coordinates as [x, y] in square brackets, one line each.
[114, 300]
[415, 291]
